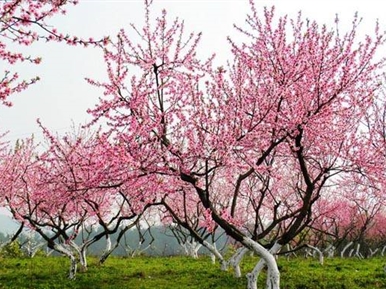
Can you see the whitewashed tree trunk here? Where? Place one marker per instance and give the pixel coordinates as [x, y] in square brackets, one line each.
[216, 254]
[212, 255]
[235, 260]
[288, 255]
[49, 251]
[383, 251]
[330, 250]
[212, 258]
[108, 243]
[345, 249]
[357, 252]
[83, 258]
[191, 248]
[307, 253]
[108, 250]
[82, 254]
[254, 274]
[135, 251]
[32, 249]
[73, 262]
[268, 259]
[73, 267]
[373, 252]
[319, 252]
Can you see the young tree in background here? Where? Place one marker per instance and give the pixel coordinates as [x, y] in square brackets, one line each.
[62, 190]
[53, 217]
[5, 170]
[291, 100]
[345, 221]
[188, 222]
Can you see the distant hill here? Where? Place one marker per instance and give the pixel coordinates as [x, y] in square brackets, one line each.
[7, 225]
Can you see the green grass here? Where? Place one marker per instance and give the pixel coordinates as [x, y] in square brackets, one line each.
[183, 272]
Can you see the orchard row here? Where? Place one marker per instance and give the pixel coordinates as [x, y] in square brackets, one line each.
[283, 144]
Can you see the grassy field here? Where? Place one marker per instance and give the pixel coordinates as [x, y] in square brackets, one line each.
[183, 272]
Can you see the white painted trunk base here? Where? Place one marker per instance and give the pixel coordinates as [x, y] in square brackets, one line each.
[267, 259]
[214, 253]
[235, 260]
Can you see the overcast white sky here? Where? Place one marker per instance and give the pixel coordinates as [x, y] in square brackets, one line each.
[63, 96]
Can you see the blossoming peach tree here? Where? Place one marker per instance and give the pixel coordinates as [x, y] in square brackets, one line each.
[270, 130]
[81, 180]
[253, 144]
[22, 23]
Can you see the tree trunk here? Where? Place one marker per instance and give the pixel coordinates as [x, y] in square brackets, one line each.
[268, 259]
[73, 265]
[288, 255]
[216, 254]
[235, 260]
[357, 252]
[330, 250]
[32, 250]
[253, 276]
[345, 249]
[108, 250]
[383, 251]
[49, 252]
[212, 258]
[83, 259]
[82, 253]
[373, 252]
[320, 253]
[73, 262]
[104, 257]
[191, 248]
[308, 253]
